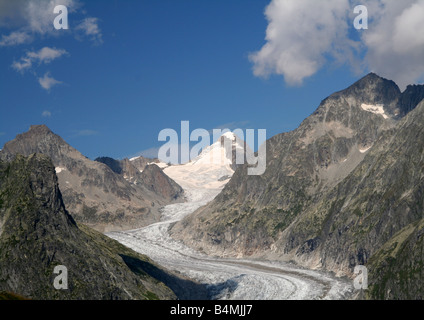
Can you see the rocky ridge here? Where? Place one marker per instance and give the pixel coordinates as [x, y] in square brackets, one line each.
[37, 234]
[92, 191]
[322, 202]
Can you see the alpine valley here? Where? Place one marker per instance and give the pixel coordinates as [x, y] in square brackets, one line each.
[344, 189]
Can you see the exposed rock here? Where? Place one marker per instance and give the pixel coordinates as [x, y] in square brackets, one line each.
[39, 234]
[301, 165]
[151, 177]
[141, 162]
[158, 182]
[92, 192]
[114, 165]
[335, 191]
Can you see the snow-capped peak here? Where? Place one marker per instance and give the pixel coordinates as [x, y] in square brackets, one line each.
[212, 168]
[221, 151]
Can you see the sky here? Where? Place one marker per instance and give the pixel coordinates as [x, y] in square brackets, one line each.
[125, 70]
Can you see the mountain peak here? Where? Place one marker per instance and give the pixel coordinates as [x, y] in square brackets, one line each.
[38, 139]
[37, 233]
[39, 128]
[377, 87]
[222, 151]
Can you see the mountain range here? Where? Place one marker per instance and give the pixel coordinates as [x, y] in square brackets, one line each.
[343, 189]
[95, 193]
[37, 234]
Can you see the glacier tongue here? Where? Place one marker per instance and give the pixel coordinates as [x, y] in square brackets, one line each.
[228, 278]
[224, 278]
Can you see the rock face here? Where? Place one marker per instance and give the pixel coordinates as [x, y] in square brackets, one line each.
[158, 182]
[37, 234]
[92, 191]
[397, 268]
[141, 162]
[114, 165]
[336, 189]
[151, 177]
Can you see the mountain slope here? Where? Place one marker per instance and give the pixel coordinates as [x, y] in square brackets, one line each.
[94, 194]
[151, 177]
[251, 210]
[396, 269]
[37, 234]
[380, 197]
[335, 189]
[158, 182]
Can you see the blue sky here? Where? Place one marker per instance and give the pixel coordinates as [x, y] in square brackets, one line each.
[127, 69]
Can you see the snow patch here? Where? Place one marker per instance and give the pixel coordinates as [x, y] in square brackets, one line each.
[364, 150]
[376, 109]
[59, 169]
[159, 164]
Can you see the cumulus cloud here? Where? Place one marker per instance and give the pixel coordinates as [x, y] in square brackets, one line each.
[303, 36]
[44, 55]
[395, 42]
[47, 81]
[299, 35]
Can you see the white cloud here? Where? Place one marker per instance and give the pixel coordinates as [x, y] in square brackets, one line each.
[31, 18]
[44, 55]
[299, 35]
[303, 35]
[12, 13]
[15, 38]
[89, 27]
[22, 65]
[46, 114]
[47, 82]
[395, 42]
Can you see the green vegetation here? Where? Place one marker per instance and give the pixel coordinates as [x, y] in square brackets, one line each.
[10, 296]
[396, 270]
[39, 234]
